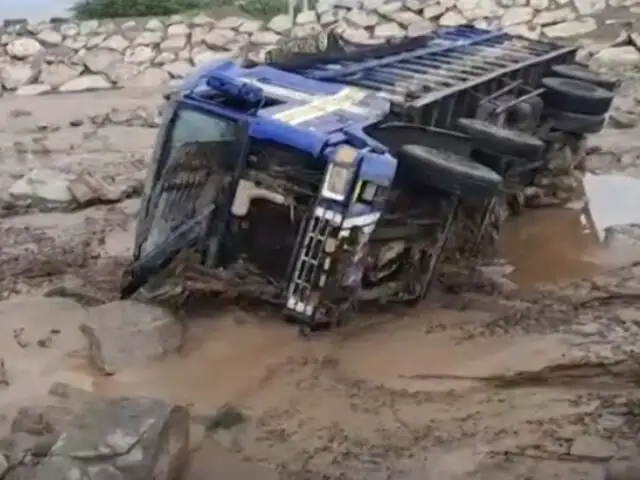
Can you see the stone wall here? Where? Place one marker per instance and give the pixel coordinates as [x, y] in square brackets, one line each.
[66, 57]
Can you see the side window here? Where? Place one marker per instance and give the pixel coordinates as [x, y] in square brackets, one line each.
[194, 127]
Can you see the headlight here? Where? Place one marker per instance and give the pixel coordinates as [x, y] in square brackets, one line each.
[339, 175]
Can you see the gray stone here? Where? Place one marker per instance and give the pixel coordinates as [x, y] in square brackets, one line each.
[16, 75]
[118, 73]
[361, 18]
[119, 439]
[203, 57]
[33, 89]
[202, 19]
[175, 43]
[250, 26]
[69, 30]
[219, 38]
[125, 332]
[58, 74]
[149, 38]
[627, 56]
[180, 29]
[86, 83]
[50, 37]
[588, 7]
[265, 38]
[539, 4]
[593, 447]
[388, 30]
[4, 465]
[96, 40]
[551, 17]
[420, 28]
[452, 18]
[164, 58]
[99, 60]
[154, 25]
[230, 22]
[306, 17]
[572, 28]
[516, 16]
[139, 55]
[76, 43]
[405, 18]
[433, 11]
[178, 69]
[43, 186]
[115, 42]
[281, 23]
[23, 48]
[151, 77]
[88, 27]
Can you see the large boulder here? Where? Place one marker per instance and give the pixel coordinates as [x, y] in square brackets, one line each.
[126, 332]
[89, 438]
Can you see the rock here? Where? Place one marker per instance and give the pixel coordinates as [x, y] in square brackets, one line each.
[23, 48]
[622, 236]
[626, 56]
[17, 75]
[149, 38]
[43, 186]
[388, 30]
[50, 37]
[592, 447]
[99, 60]
[125, 332]
[588, 7]
[572, 28]
[32, 421]
[452, 18]
[86, 83]
[140, 55]
[58, 74]
[219, 38]
[116, 42]
[178, 69]
[280, 23]
[151, 77]
[175, 43]
[4, 465]
[230, 22]
[516, 16]
[125, 438]
[551, 17]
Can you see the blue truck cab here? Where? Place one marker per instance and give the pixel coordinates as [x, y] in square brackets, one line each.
[238, 113]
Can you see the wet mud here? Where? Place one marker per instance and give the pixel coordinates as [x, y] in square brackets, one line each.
[538, 380]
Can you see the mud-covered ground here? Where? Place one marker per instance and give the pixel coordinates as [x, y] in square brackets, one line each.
[488, 380]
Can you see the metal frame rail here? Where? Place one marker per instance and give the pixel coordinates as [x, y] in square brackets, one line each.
[447, 77]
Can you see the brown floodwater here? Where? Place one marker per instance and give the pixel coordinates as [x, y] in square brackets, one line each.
[551, 245]
[260, 364]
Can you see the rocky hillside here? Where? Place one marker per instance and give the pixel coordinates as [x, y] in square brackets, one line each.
[150, 52]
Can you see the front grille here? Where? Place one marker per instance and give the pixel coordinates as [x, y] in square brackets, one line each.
[312, 261]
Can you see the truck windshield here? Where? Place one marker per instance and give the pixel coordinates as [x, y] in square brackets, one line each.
[203, 135]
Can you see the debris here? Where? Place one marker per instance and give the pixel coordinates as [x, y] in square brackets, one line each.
[4, 380]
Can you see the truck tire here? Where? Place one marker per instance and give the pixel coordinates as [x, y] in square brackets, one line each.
[576, 122]
[449, 172]
[578, 72]
[491, 138]
[575, 96]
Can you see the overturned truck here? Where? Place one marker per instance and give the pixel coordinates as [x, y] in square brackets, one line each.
[316, 182]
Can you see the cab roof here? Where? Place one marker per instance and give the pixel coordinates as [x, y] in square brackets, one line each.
[307, 104]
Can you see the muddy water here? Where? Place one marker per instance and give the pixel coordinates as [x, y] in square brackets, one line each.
[557, 244]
